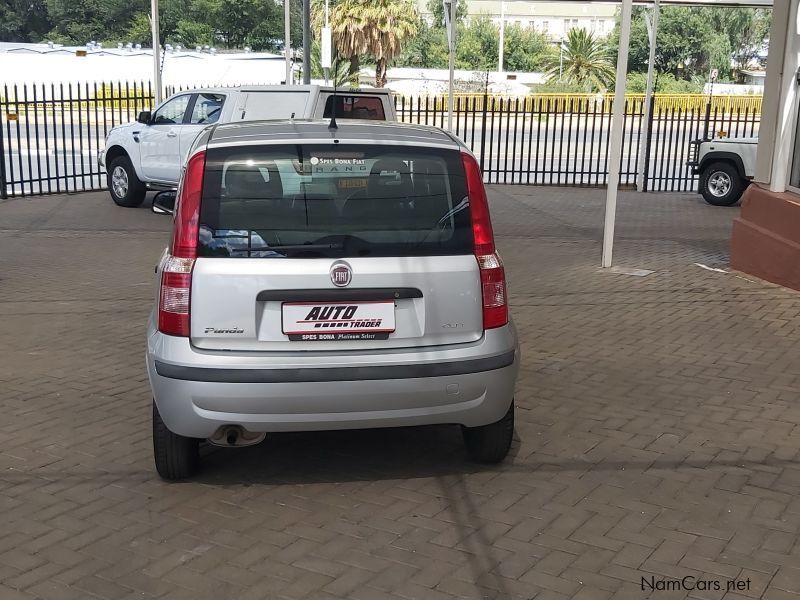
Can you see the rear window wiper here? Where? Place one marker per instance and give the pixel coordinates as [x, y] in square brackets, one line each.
[299, 247]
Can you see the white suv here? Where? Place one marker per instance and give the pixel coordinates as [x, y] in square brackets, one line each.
[149, 153]
[329, 278]
[725, 166]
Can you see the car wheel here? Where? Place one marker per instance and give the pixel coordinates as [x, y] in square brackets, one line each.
[490, 443]
[721, 185]
[123, 184]
[177, 457]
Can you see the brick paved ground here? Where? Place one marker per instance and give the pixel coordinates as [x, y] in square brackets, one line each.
[658, 431]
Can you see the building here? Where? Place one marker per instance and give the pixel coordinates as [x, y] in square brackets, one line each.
[552, 18]
[766, 236]
[55, 64]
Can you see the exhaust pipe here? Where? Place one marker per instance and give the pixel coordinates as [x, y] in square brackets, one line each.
[235, 436]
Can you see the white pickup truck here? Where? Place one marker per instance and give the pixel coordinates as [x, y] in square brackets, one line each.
[149, 153]
[725, 166]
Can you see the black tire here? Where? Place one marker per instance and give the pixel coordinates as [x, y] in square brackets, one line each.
[490, 443]
[134, 190]
[721, 184]
[177, 457]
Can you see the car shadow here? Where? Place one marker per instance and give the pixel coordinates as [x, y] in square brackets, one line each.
[342, 456]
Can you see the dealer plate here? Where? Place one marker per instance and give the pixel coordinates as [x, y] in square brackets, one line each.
[337, 321]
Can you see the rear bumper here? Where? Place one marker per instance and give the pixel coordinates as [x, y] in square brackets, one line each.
[101, 160]
[198, 391]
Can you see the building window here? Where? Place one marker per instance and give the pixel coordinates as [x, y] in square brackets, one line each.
[545, 26]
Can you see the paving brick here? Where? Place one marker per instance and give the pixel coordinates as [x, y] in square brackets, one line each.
[8, 593]
[787, 579]
[656, 430]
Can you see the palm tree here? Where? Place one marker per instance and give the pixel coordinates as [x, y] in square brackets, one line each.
[585, 62]
[391, 23]
[375, 27]
[348, 30]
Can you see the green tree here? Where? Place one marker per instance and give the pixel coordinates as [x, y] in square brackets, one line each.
[525, 49]
[747, 29]
[81, 21]
[585, 62]
[427, 49]
[693, 40]
[348, 31]
[373, 28]
[192, 33]
[665, 83]
[478, 43]
[391, 23]
[235, 20]
[23, 20]
[437, 10]
[140, 30]
[337, 73]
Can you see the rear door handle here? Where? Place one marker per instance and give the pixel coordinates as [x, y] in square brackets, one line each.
[172, 134]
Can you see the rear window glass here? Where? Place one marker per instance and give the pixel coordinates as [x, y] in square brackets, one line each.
[333, 201]
[355, 107]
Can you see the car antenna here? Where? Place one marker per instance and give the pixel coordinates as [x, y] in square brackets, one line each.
[332, 125]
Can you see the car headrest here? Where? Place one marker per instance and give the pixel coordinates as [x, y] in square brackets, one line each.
[245, 182]
[390, 178]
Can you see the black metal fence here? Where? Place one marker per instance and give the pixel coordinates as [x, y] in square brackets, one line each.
[557, 139]
[50, 135]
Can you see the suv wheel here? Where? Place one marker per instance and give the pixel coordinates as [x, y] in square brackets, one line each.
[177, 457]
[123, 184]
[490, 443]
[721, 185]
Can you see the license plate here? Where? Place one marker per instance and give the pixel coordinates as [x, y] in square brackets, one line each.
[337, 321]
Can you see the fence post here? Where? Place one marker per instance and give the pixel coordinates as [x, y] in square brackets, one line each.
[3, 191]
[648, 145]
[483, 123]
[708, 120]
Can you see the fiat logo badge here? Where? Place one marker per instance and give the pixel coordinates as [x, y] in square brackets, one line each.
[341, 274]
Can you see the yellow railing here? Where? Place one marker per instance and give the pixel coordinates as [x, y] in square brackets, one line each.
[664, 103]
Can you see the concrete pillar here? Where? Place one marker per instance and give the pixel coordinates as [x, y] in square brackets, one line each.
[780, 103]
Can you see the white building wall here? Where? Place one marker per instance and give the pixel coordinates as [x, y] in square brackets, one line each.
[553, 18]
[777, 133]
[179, 69]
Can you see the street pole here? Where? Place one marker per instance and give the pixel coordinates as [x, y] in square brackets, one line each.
[502, 35]
[326, 32]
[560, 60]
[156, 51]
[306, 41]
[451, 40]
[287, 40]
[652, 29]
[617, 124]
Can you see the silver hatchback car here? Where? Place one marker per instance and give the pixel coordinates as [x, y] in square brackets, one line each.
[324, 277]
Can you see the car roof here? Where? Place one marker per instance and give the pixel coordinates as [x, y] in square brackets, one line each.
[284, 88]
[318, 131]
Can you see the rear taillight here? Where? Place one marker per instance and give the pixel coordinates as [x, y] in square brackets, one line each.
[176, 272]
[493, 277]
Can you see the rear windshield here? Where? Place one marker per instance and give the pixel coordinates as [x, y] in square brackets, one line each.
[334, 201]
[355, 107]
